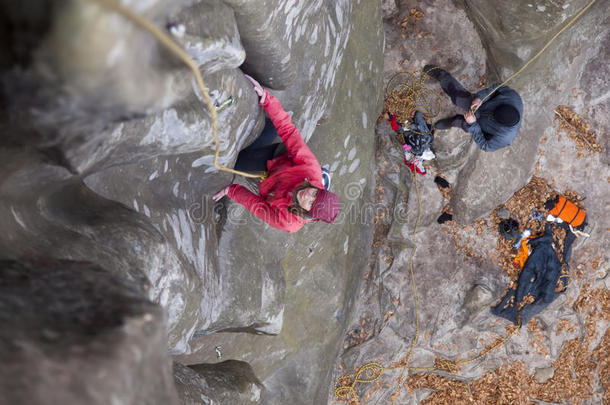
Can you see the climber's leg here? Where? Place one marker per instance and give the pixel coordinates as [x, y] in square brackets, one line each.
[254, 158]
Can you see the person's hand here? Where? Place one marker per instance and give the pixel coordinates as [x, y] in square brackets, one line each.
[476, 103]
[224, 191]
[470, 117]
[258, 89]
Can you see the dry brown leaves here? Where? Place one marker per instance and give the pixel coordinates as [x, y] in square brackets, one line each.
[482, 81]
[463, 238]
[602, 356]
[361, 332]
[416, 14]
[538, 337]
[595, 301]
[573, 378]
[532, 195]
[578, 130]
[451, 366]
[528, 299]
[507, 385]
[564, 324]
[571, 383]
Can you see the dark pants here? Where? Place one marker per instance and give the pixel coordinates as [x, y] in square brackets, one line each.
[254, 158]
[459, 96]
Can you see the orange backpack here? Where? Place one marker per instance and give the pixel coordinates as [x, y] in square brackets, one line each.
[568, 212]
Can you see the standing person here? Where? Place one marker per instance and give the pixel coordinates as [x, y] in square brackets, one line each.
[293, 193]
[493, 124]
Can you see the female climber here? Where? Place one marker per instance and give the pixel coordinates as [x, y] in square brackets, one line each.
[293, 193]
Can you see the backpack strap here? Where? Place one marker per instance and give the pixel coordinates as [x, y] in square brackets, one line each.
[575, 215]
[565, 201]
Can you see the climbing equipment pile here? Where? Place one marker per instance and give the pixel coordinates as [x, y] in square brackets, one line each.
[409, 104]
[417, 147]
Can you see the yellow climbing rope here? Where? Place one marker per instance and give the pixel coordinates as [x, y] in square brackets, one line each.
[175, 49]
[405, 93]
[569, 23]
[346, 385]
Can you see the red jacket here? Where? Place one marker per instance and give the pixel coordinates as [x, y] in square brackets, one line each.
[286, 173]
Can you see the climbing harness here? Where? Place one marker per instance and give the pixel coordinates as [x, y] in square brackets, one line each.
[346, 385]
[175, 49]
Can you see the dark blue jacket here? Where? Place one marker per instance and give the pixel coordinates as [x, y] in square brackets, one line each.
[486, 132]
[538, 278]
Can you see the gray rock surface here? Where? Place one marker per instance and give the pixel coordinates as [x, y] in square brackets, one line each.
[229, 382]
[389, 8]
[107, 164]
[192, 389]
[320, 263]
[108, 158]
[542, 375]
[74, 333]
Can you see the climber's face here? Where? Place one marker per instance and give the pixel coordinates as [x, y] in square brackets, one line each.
[306, 197]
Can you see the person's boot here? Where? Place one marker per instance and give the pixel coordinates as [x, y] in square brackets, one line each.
[433, 71]
[444, 123]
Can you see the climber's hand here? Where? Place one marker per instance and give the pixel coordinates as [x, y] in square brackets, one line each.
[257, 88]
[224, 191]
[476, 103]
[469, 117]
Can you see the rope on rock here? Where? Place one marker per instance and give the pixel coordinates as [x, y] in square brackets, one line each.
[568, 24]
[345, 386]
[412, 91]
[176, 50]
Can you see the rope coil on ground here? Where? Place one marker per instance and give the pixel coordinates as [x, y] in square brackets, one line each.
[405, 93]
[176, 50]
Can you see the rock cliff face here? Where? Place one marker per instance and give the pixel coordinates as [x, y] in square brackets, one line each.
[115, 256]
[107, 161]
[74, 333]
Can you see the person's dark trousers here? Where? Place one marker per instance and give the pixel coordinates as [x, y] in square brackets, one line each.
[254, 158]
[459, 96]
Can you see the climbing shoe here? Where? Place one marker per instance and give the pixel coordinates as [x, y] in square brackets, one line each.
[509, 229]
[441, 182]
[445, 123]
[445, 217]
[433, 71]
